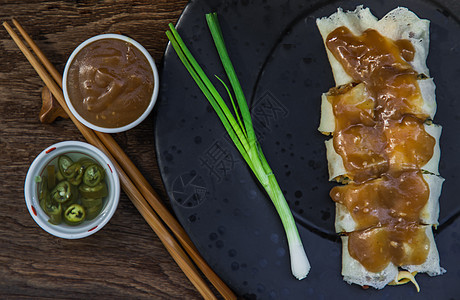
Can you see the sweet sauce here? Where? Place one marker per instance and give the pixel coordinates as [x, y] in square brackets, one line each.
[110, 83]
[376, 247]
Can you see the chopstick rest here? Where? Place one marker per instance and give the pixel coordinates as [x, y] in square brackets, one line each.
[50, 108]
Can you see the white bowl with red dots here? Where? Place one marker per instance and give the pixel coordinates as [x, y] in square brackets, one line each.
[75, 150]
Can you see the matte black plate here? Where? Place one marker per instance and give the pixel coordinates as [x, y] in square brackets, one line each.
[280, 59]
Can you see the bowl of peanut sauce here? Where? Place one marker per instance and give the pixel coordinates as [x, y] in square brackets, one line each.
[110, 83]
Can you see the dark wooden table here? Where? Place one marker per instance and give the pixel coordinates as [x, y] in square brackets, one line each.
[125, 259]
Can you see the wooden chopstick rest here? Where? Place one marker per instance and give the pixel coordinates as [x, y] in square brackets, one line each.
[51, 109]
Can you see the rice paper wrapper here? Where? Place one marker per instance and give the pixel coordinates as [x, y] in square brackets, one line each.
[399, 23]
[429, 215]
[354, 272]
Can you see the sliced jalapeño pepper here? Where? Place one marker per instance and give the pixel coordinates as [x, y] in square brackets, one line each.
[93, 175]
[52, 209]
[97, 191]
[43, 189]
[85, 162]
[59, 176]
[74, 214]
[43, 193]
[63, 163]
[73, 199]
[62, 192]
[51, 176]
[74, 173]
[91, 202]
[92, 207]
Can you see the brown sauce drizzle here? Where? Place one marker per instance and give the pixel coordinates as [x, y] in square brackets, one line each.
[374, 248]
[379, 63]
[381, 138]
[391, 200]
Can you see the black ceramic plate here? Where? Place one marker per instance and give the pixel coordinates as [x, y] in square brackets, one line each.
[281, 62]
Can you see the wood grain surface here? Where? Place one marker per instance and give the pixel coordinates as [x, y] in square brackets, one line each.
[125, 259]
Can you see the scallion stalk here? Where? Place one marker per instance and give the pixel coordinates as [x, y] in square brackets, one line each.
[241, 131]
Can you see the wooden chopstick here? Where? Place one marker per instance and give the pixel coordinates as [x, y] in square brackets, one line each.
[54, 73]
[105, 142]
[142, 184]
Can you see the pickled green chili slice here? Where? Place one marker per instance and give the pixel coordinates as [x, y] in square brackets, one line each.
[92, 207]
[97, 191]
[74, 173]
[63, 163]
[93, 212]
[86, 162]
[74, 214]
[94, 174]
[59, 176]
[52, 209]
[43, 189]
[91, 202]
[55, 214]
[50, 170]
[62, 192]
[43, 193]
[74, 199]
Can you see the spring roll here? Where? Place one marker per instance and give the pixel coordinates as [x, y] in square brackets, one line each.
[356, 98]
[354, 272]
[338, 172]
[399, 23]
[345, 222]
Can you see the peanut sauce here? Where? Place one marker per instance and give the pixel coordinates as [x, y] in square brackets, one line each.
[381, 138]
[110, 83]
[391, 200]
[374, 248]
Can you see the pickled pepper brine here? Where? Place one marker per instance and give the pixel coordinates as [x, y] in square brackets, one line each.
[72, 191]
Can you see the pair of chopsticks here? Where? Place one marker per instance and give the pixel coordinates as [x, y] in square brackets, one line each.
[134, 184]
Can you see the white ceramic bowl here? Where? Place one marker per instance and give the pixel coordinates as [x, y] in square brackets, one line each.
[155, 87]
[74, 150]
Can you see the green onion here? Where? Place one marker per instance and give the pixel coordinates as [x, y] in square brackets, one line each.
[241, 131]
